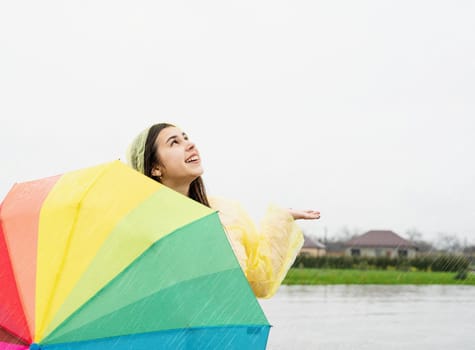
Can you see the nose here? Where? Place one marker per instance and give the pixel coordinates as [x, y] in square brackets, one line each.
[190, 145]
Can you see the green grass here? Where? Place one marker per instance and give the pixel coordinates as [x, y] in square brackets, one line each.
[334, 276]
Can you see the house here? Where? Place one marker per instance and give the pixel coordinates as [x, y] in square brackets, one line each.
[312, 247]
[380, 243]
[335, 248]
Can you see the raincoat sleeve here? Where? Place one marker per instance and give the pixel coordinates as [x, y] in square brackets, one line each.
[265, 253]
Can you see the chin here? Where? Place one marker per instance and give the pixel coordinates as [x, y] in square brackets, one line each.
[195, 176]
[199, 173]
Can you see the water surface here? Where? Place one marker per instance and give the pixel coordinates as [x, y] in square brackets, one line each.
[371, 317]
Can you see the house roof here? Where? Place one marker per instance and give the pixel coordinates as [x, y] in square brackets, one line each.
[379, 238]
[310, 243]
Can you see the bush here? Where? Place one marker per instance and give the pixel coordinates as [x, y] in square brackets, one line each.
[462, 275]
[403, 264]
[449, 263]
[422, 263]
[383, 262]
[442, 263]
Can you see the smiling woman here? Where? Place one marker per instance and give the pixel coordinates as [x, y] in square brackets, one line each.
[164, 153]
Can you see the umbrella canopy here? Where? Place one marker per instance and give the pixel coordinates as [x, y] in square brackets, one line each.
[105, 257]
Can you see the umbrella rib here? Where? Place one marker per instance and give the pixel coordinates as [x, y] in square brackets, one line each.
[12, 337]
[68, 245]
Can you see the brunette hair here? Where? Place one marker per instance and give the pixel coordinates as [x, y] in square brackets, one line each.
[197, 188]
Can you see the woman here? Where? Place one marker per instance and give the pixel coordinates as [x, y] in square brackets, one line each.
[164, 153]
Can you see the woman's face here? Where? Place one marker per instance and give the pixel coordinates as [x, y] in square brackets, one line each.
[179, 159]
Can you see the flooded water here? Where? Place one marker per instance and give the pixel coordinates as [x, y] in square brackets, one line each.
[370, 317]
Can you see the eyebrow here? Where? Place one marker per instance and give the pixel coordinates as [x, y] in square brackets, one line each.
[174, 137]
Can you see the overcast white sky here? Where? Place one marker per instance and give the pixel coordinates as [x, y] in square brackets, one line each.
[364, 110]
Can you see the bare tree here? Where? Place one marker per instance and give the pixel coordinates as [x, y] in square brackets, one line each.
[414, 235]
[449, 243]
[345, 233]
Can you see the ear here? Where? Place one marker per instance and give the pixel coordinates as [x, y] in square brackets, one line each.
[156, 171]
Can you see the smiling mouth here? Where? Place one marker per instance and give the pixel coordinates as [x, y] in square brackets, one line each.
[192, 159]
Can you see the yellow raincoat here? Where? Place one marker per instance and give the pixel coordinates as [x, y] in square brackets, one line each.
[265, 254]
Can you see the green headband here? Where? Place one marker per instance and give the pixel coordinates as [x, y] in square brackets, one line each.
[136, 151]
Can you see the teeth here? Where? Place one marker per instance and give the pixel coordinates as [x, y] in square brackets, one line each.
[192, 159]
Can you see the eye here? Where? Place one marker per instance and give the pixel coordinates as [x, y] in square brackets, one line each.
[173, 142]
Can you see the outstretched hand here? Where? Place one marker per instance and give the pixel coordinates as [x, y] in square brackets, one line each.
[304, 214]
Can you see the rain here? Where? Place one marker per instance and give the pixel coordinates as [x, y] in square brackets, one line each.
[361, 110]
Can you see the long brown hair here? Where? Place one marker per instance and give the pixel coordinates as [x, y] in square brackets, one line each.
[197, 188]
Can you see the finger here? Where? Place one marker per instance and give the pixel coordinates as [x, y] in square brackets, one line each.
[313, 215]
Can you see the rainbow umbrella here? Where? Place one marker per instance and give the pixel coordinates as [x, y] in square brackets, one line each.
[106, 258]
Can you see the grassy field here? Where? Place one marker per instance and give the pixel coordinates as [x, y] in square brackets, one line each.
[334, 276]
